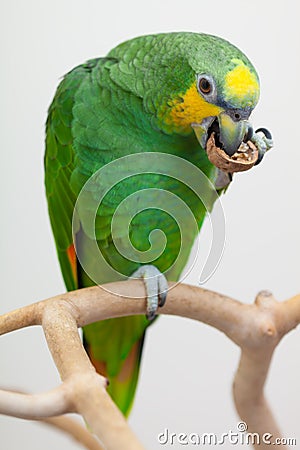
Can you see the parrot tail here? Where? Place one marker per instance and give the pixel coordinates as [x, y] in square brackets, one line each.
[118, 364]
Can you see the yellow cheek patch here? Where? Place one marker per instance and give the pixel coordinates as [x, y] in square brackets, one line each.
[241, 85]
[191, 108]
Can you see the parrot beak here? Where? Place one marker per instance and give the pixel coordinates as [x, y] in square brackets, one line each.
[229, 130]
[232, 132]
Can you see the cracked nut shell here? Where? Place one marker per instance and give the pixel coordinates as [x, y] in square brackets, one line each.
[242, 160]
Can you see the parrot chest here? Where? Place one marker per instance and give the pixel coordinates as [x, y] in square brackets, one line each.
[146, 218]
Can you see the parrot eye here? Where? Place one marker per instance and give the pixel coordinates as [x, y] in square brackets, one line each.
[205, 85]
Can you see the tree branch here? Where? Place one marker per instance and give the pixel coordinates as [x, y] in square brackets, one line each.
[256, 328]
[77, 431]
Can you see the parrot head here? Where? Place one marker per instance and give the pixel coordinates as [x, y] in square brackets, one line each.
[225, 102]
[214, 88]
[193, 83]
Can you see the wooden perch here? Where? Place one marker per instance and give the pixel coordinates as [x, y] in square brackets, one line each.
[256, 328]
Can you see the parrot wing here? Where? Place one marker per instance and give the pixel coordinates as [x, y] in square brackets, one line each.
[114, 345]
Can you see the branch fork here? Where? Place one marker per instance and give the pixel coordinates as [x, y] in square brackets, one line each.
[256, 328]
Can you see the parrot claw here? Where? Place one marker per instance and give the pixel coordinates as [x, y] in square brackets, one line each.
[262, 141]
[156, 288]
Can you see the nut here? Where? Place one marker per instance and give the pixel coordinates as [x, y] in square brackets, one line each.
[243, 159]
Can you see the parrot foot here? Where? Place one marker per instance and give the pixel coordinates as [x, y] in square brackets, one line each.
[156, 287]
[262, 139]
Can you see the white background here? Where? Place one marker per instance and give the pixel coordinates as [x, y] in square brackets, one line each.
[187, 368]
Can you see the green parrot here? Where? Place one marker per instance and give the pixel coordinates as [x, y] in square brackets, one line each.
[155, 95]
